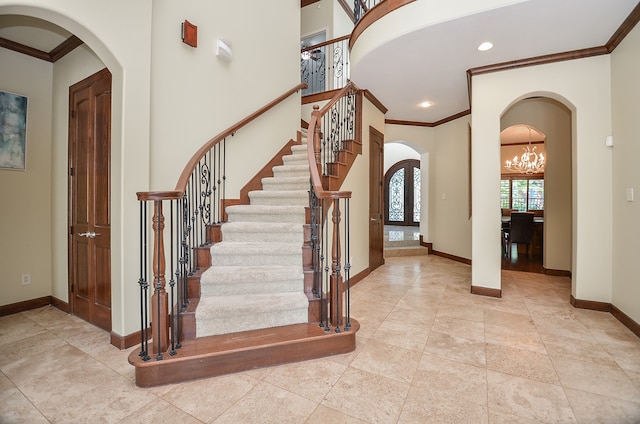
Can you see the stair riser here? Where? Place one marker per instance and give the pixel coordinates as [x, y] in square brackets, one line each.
[256, 260]
[275, 201]
[283, 186]
[293, 237]
[286, 173]
[283, 218]
[295, 160]
[238, 288]
[235, 322]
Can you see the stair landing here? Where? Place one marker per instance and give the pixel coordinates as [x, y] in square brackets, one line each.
[229, 353]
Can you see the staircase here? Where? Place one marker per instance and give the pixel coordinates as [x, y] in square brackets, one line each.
[256, 278]
[248, 292]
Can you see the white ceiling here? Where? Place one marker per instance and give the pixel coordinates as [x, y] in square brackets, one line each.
[32, 32]
[430, 64]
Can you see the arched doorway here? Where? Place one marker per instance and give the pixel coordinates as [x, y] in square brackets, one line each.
[402, 193]
[550, 124]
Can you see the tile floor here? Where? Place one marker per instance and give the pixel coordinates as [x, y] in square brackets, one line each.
[428, 352]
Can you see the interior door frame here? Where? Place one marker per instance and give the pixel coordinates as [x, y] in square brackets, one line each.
[72, 277]
[378, 220]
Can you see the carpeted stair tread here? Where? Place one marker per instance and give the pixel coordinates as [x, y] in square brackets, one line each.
[226, 314]
[256, 253]
[234, 280]
[280, 197]
[262, 232]
[266, 213]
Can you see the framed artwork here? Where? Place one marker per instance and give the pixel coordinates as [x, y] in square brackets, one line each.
[13, 131]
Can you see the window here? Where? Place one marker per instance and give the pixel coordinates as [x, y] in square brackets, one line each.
[522, 193]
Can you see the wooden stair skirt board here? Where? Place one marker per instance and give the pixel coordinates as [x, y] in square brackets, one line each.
[229, 353]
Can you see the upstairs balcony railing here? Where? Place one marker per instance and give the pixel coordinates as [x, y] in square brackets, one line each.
[325, 66]
[360, 7]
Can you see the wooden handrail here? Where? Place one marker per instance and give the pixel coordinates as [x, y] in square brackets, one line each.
[188, 169]
[313, 146]
[325, 43]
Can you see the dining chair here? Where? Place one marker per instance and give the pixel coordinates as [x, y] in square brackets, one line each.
[520, 231]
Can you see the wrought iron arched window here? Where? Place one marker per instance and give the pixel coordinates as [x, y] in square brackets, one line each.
[402, 193]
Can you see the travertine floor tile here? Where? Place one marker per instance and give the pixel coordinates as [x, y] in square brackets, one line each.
[447, 379]
[592, 408]
[529, 399]
[207, 399]
[369, 397]
[456, 348]
[598, 379]
[387, 360]
[427, 351]
[521, 363]
[266, 403]
[309, 379]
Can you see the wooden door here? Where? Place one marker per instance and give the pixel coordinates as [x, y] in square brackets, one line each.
[376, 221]
[89, 199]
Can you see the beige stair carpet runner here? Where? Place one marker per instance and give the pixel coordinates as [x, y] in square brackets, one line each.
[256, 279]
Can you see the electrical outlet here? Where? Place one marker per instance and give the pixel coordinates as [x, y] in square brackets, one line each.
[26, 279]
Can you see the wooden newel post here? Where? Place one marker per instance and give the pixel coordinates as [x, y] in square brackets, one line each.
[159, 300]
[335, 281]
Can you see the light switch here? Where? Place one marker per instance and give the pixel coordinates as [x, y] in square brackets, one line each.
[630, 194]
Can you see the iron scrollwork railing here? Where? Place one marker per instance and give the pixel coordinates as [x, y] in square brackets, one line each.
[360, 7]
[194, 211]
[329, 127]
[325, 66]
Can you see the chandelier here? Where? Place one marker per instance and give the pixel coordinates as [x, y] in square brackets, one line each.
[529, 162]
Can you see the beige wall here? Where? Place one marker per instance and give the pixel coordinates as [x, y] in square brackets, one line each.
[493, 94]
[452, 225]
[25, 211]
[625, 68]
[72, 68]
[554, 120]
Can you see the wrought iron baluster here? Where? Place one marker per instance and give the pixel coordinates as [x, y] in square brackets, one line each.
[173, 309]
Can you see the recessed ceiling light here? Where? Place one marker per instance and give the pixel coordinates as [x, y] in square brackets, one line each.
[485, 46]
[425, 104]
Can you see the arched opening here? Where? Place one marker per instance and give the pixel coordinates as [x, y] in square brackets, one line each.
[539, 125]
[522, 165]
[403, 198]
[49, 83]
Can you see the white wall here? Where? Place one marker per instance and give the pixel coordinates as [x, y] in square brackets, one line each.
[396, 151]
[566, 82]
[195, 95]
[625, 68]
[25, 240]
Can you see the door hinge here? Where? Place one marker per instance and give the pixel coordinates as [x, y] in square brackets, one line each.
[71, 172]
[71, 288]
[73, 113]
[71, 230]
